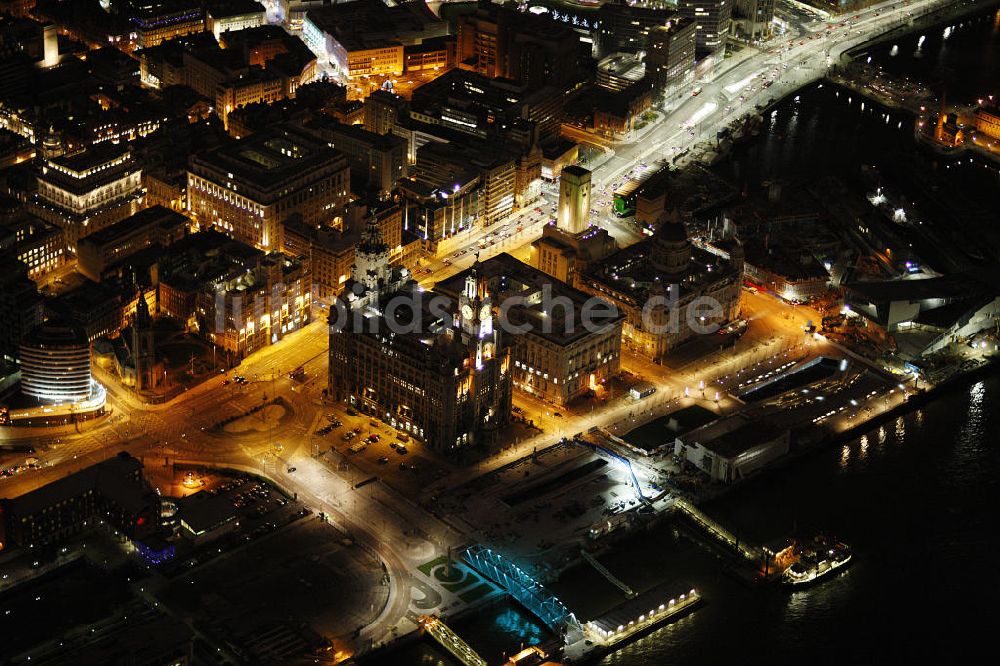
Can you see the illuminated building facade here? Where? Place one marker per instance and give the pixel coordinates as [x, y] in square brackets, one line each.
[245, 311]
[671, 52]
[160, 21]
[574, 199]
[87, 191]
[55, 369]
[625, 28]
[565, 256]
[712, 18]
[668, 290]
[229, 15]
[988, 121]
[39, 245]
[446, 380]
[365, 37]
[247, 187]
[557, 358]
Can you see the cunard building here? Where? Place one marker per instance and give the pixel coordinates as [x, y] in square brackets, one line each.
[669, 290]
[429, 365]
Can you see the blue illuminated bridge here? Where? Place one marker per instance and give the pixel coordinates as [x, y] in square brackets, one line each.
[526, 590]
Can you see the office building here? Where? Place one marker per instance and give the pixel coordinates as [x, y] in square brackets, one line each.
[445, 380]
[618, 71]
[623, 28]
[382, 109]
[670, 54]
[571, 344]
[366, 37]
[225, 15]
[376, 161]
[55, 363]
[246, 187]
[574, 199]
[158, 21]
[499, 42]
[21, 307]
[754, 19]
[111, 493]
[89, 190]
[566, 256]
[155, 225]
[712, 18]
[243, 312]
[434, 211]
[39, 245]
[668, 290]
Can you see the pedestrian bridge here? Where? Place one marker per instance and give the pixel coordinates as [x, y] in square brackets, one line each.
[527, 591]
[450, 641]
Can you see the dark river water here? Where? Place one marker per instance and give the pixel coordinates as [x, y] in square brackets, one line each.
[918, 499]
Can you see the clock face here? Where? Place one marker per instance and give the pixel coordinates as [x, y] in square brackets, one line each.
[485, 313]
[467, 311]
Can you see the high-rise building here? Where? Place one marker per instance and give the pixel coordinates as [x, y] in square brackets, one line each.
[499, 42]
[247, 187]
[754, 18]
[670, 54]
[623, 28]
[55, 363]
[574, 199]
[712, 18]
[443, 377]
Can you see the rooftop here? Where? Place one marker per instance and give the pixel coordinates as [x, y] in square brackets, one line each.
[113, 476]
[508, 277]
[743, 436]
[154, 215]
[268, 160]
[203, 511]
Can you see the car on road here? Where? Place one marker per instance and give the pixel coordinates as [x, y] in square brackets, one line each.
[558, 415]
[383, 460]
[348, 436]
[352, 412]
[402, 450]
[291, 469]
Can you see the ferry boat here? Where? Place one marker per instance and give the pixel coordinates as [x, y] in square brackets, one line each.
[816, 561]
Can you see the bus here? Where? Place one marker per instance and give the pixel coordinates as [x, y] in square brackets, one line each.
[624, 201]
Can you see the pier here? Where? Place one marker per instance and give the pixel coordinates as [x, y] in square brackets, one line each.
[601, 569]
[632, 619]
[886, 89]
[450, 641]
[717, 531]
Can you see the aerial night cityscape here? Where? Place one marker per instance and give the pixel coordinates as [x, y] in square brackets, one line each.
[482, 333]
